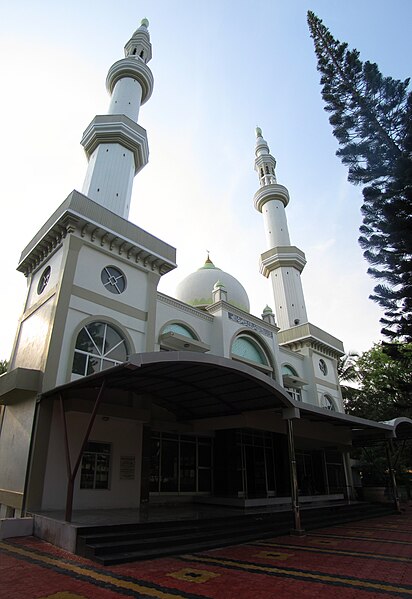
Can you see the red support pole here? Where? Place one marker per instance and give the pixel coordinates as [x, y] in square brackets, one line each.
[393, 478]
[293, 480]
[66, 439]
[70, 486]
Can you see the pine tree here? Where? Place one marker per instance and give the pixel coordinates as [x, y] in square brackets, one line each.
[371, 116]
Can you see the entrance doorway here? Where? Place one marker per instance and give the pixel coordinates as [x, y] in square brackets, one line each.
[257, 464]
[180, 464]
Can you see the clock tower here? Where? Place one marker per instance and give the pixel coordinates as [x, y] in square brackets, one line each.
[88, 263]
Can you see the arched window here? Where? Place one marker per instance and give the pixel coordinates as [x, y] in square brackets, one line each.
[180, 337]
[288, 370]
[246, 348]
[328, 403]
[98, 346]
[174, 327]
[292, 386]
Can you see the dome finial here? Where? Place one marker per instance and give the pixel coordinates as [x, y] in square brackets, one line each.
[208, 260]
[258, 132]
[144, 23]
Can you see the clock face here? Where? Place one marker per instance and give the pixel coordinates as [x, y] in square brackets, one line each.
[113, 279]
[44, 279]
[323, 368]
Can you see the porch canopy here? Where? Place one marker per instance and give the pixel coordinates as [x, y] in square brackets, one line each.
[194, 386]
[401, 431]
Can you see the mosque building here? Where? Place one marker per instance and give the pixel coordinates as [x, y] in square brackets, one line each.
[118, 395]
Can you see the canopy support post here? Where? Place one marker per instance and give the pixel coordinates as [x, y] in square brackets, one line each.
[72, 473]
[297, 530]
[392, 477]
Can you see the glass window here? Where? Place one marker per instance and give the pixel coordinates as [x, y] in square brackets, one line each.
[178, 328]
[154, 463]
[180, 463]
[98, 346]
[328, 403]
[95, 466]
[44, 279]
[322, 367]
[205, 479]
[113, 279]
[169, 466]
[295, 393]
[245, 347]
[288, 370]
[188, 466]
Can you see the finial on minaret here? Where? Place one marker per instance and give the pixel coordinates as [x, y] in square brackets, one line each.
[139, 45]
[264, 162]
[115, 144]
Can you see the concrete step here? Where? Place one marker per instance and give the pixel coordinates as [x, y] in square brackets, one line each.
[123, 543]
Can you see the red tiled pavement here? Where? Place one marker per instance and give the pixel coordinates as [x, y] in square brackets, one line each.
[366, 560]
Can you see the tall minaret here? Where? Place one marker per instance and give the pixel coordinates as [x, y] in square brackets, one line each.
[115, 144]
[282, 261]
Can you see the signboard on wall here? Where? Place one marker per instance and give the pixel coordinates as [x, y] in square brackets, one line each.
[127, 467]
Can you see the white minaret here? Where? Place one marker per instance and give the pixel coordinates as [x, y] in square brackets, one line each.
[282, 262]
[115, 144]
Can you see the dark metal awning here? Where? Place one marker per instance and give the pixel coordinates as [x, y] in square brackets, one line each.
[400, 429]
[190, 385]
[193, 386]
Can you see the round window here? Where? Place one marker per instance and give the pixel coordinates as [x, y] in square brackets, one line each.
[44, 279]
[113, 279]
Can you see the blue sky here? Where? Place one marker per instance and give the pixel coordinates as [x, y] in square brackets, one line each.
[220, 69]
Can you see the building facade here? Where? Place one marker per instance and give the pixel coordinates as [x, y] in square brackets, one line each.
[198, 393]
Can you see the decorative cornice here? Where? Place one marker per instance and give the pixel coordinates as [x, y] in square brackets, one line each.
[308, 335]
[181, 306]
[134, 68]
[117, 128]
[270, 192]
[287, 256]
[80, 216]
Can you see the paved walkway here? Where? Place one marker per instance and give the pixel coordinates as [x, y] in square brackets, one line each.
[362, 560]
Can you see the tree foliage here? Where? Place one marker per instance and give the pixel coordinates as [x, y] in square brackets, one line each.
[371, 116]
[382, 390]
[347, 374]
[3, 366]
[384, 387]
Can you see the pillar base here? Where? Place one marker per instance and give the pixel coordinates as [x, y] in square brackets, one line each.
[295, 532]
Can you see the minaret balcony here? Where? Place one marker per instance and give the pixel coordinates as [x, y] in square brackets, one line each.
[270, 192]
[117, 129]
[135, 68]
[287, 256]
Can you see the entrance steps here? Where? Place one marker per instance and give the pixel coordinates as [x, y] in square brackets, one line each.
[120, 543]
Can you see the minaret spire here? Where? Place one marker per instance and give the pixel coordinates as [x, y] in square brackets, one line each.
[115, 144]
[282, 261]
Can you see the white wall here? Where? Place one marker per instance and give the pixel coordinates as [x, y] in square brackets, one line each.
[88, 272]
[15, 443]
[125, 437]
